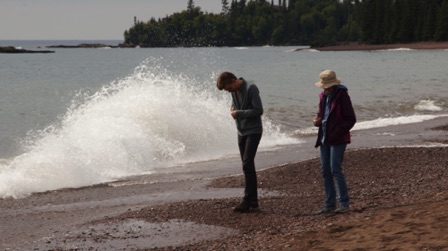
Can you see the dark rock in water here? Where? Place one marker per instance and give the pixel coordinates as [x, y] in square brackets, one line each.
[12, 49]
[81, 46]
[94, 46]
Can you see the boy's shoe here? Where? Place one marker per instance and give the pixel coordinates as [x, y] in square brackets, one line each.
[245, 206]
[342, 210]
[326, 210]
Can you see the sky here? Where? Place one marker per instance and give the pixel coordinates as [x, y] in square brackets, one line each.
[84, 19]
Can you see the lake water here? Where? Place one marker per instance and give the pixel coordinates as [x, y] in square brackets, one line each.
[79, 117]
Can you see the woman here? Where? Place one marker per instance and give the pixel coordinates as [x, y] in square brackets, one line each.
[335, 118]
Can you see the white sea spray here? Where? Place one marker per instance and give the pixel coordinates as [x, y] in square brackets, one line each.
[149, 120]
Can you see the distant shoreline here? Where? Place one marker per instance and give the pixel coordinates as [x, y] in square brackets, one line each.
[370, 47]
[342, 47]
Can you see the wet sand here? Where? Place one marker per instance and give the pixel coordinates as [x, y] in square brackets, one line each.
[398, 190]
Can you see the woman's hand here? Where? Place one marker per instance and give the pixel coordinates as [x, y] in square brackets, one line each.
[317, 121]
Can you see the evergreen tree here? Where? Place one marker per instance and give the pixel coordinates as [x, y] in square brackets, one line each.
[441, 33]
[407, 21]
[225, 7]
[190, 5]
[429, 19]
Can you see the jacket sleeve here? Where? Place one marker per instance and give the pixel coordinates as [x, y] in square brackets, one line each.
[319, 110]
[255, 106]
[348, 114]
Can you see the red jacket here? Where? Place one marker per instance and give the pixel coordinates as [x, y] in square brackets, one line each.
[340, 120]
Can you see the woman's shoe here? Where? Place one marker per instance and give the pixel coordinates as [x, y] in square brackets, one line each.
[342, 210]
[246, 207]
[326, 210]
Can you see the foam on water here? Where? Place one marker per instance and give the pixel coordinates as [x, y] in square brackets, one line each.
[149, 120]
[398, 49]
[377, 123]
[383, 122]
[428, 105]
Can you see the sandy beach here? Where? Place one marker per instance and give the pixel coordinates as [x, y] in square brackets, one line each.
[399, 193]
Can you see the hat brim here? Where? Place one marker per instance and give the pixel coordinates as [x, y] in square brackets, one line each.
[325, 86]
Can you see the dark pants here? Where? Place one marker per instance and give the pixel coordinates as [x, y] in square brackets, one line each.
[248, 146]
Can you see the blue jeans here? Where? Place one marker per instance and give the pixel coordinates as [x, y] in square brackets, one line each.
[331, 158]
[248, 146]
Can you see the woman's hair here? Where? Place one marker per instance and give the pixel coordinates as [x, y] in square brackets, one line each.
[224, 79]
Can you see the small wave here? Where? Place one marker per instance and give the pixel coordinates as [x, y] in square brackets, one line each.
[301, 48]
[428, 105]
[305, 131]
[307, 50]
[377, 123]
[241, 48]
[398, 49]
[383, 122]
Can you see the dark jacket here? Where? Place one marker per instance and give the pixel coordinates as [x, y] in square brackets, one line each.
[340, 120]
[249, 112]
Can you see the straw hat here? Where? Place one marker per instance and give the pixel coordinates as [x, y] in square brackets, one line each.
[327, 79]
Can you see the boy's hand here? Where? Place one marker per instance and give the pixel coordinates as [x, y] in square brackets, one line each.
[234, 114]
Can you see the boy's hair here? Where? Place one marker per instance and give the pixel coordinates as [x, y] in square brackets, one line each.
[224, 79]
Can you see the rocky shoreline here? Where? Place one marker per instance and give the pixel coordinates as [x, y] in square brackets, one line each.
[399, 201]
[86, 45]
[341, 47]
[14, 50]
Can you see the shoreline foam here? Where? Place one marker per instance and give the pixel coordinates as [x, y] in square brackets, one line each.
[373, 47]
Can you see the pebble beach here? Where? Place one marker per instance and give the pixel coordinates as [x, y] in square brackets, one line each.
[399, 202]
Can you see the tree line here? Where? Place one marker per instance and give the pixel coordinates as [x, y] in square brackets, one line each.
[296, 22]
